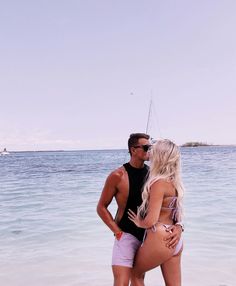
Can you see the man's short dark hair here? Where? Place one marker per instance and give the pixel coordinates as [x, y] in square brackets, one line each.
[134, 137]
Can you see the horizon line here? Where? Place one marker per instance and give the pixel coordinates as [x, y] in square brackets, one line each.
[107, 149]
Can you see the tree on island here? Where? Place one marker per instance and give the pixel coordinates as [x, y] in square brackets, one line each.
[194, 144]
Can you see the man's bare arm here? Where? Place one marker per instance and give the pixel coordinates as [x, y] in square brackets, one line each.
[109, 191]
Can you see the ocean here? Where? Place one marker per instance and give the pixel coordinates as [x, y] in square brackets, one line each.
[50, 233]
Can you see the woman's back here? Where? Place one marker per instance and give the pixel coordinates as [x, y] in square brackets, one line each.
[168, 208]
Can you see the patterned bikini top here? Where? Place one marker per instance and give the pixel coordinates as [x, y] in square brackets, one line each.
[172, 206]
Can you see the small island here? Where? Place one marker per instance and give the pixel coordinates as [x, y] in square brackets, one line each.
[195, 144]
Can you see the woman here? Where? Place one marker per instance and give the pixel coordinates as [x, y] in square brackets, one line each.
[161, 207]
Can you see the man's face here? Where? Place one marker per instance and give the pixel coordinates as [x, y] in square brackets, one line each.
[141, 149]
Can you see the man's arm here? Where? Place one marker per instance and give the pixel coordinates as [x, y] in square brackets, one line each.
[108, 192]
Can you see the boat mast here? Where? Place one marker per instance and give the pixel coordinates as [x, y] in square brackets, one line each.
[149, 114]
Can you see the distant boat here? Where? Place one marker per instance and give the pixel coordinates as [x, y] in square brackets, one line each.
[4, 152]
[147, 131]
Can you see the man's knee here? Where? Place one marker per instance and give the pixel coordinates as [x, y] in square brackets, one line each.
[121, 281]
[121, 275]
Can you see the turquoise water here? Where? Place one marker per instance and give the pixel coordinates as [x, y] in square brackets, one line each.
[50, 233]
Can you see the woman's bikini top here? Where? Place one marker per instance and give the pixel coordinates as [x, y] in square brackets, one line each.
[172, 206]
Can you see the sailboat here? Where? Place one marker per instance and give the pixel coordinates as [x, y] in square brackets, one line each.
[149, 119]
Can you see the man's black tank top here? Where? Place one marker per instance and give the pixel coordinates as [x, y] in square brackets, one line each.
[137, 178]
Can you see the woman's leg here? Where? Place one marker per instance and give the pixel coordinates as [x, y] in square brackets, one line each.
[171, 270]
[151, 254]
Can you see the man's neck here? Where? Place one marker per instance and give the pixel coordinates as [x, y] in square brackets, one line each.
[136, 163]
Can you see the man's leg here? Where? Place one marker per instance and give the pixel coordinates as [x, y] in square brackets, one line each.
[123, 258]
[121, 275]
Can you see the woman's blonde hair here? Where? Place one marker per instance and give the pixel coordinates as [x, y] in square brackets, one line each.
[164, 164]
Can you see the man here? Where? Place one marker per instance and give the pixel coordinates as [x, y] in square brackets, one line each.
[125, 184]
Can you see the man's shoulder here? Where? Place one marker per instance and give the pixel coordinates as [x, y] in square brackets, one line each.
[118, 173]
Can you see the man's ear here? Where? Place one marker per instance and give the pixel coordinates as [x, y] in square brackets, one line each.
[132, 150]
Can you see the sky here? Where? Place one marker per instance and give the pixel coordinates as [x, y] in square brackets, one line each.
[78, 75]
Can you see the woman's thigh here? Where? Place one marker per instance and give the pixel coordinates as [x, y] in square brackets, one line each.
[152, 253]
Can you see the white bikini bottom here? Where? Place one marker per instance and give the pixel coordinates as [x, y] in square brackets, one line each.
[179, 245]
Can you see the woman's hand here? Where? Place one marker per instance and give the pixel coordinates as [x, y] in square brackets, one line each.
[174, 237]
[134, 218]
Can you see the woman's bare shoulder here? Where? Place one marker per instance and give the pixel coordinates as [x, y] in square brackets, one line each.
[161, 184]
